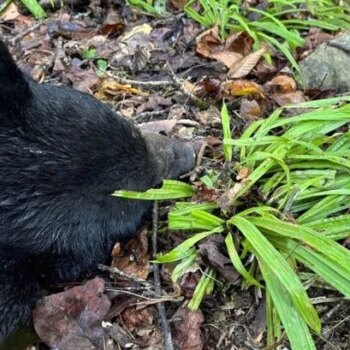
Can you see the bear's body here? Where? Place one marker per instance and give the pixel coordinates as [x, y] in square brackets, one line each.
[62, 155]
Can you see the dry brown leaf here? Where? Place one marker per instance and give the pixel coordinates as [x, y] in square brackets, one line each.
[243, 173]
[141, 29]
[209, 117]
[178, 4]
[83, 79]
[189, 87]
[189, 281]
[187, 331]
[208, 88]
[112, 88]
[227, 58]
[134, 318]
[281, 84]
[134, 258]
[10, 13]
[283, 90]
[250, 109]
[244, 66]
[210, 251]
[242, 88]
[236, 46]
[58, 318]
[293, 97]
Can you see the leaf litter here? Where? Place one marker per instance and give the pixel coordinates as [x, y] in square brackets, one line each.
[119, 54]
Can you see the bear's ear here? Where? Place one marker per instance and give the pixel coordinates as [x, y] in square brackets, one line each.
[14, 90]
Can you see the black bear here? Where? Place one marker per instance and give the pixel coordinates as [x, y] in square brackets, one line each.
[62, 154]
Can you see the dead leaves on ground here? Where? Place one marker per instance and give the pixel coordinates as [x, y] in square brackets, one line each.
[72, 319]
[133, 259]
[69, 49]
[235, 53]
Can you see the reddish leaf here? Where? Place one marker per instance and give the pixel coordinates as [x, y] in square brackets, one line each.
[72, 319]
[187, 332]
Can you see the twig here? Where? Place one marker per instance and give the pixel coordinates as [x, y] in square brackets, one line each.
[154, 83]
[24, 33]
[180, 86]
[148, 115]
[120, 273]
[161, 309]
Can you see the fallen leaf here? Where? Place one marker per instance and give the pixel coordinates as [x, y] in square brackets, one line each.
[141, 29]
[134, 258]
[153, 103]
[236, 46]
[243, 173]
[72, 319]
[288, 98]
[283, 90]
[211, 254]
[281, 84]
[10, 13]
[71, 29]
[187, 331]
[189, 282]
[134, 318]
[209, 117]
[208, 88]
[113, 25]
[242, 88]
[82, 79]
[244, 66]
[250, 109]
[118, 334]
[178, 4]
[113, 88]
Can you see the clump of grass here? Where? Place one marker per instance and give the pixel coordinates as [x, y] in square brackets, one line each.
[155, 7]
[299, 188]
[279, 24]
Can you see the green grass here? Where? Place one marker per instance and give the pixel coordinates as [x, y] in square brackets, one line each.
[279, 25]
[154, 7]
[289, 213]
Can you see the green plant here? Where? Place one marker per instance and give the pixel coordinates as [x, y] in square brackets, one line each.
[155, 7]
[299, 189]
[279, 25]
[33, 7]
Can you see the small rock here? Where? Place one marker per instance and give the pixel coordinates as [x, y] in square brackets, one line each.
[328, 66]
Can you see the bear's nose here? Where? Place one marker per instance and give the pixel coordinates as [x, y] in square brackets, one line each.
[173, 157]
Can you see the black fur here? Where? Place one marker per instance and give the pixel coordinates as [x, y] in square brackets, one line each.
[62, 154]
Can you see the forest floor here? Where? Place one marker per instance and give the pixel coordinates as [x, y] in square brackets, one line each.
[168, 75]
